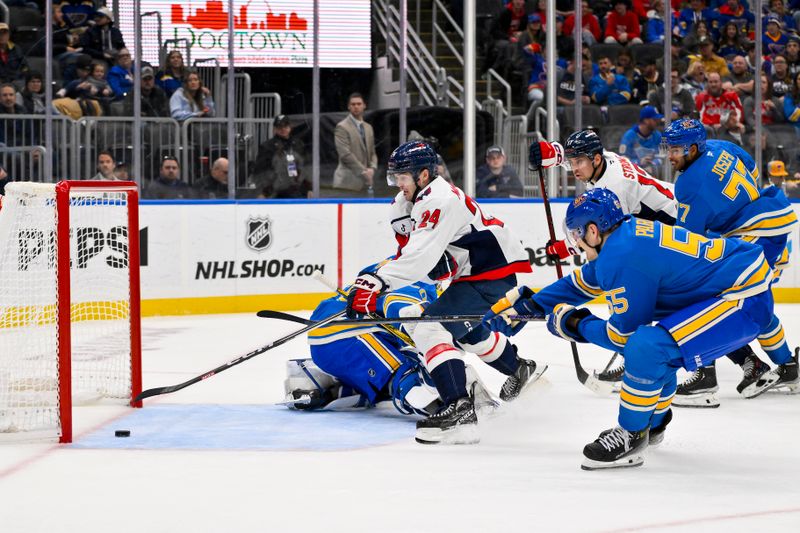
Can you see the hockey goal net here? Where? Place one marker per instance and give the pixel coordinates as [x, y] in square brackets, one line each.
[69, 302]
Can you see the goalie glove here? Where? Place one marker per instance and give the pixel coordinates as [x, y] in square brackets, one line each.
[545, 154]
[517, 301]
[558, 250]
[564, 321]
[363, 296]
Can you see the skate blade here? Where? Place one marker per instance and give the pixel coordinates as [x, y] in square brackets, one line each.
[631, 461]
[785, 388]
[703, 400]
[603, 388]
[465, 434]
[765, 383]
[540, 369]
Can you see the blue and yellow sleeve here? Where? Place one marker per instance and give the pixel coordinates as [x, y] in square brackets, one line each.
[579, 287]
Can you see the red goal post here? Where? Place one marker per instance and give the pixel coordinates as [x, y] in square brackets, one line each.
[70, 317]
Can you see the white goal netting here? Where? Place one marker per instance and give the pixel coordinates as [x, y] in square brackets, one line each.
[30, 390]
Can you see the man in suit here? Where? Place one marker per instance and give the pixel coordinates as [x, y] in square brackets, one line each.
[355, 144]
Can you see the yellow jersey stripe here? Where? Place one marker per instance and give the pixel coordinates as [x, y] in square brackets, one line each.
[774, 223]
[761, 276]
[381, 351]
[620, 339]
[771, 340]
[626, 397]
[717, 311]
[580, 283]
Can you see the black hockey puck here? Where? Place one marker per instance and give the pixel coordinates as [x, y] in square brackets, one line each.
[122, 433]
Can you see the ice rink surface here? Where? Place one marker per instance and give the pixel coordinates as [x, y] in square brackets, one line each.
[220, 457]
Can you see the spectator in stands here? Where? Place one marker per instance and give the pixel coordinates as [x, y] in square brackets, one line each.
[565, 95]
[75, 99]
[565, 43]
[192, 99]
[734, 11]
[696, 12]
[711, 61]
[13, 132]
[792, 54]
[538, 76]
[66, 42]
[776, 171]
[105, 167]
[355, 145]
[774, 39]
[695, 79]
[168, 185]
[642, 142]
[154, 100]
[103, 92]
[771, 106]
[791, 104]
[171, 77]
[778, 9]
[506, 31]
[645, 80]
[495, 179]
[279, 168]
[682, 99]
[715, 102]
[780, 79]
[103, 40]
[741, 79]
[731, 42]
[654, 29]
[13, 64]
[121, 171]
[32, 96]
[608, 88]
[622, 26]
[591, 26]
[691, 43]
[731, 128]
[522, 50]
[215, 185]
[624, 65]
[120, 77]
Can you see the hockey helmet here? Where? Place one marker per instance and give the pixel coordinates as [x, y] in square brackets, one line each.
[411, 157]
[597, 206]
[685, 132]
[583, 143]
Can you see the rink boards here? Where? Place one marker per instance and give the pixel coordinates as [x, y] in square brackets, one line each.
[223, 257]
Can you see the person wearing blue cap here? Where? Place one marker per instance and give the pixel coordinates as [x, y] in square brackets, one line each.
[641, 143]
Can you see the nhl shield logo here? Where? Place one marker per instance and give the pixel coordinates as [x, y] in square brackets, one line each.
[259, 236]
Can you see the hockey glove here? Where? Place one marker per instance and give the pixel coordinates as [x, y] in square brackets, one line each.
[558, 250]
[444, 269]
[517, 301]
[545, 154]
[564, 321]
[363, 296]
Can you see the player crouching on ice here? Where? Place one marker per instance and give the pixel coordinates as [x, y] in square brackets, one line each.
[707, 296]
[485, 258]
[361, 365]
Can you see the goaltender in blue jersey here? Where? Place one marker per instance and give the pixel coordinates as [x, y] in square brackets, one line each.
[706, 297]
[718, 194]
[361, 365]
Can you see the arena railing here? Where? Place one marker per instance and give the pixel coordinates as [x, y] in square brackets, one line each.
[23, 163]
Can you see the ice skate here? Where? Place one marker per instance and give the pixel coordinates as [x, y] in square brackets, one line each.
[613, 375]
[657, 433]
[784, 379]
[527, 373]
[455, 424]
[486, 403]
[754, 368]
[699, 390]
[615, 448]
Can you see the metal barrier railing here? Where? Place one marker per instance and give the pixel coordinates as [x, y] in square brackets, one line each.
[210, 72]
[495, 108]
[242, 87]
[28, 130]
[146, 27]
[175, 44]
[264, 105]
[23, 163]
[492, 74]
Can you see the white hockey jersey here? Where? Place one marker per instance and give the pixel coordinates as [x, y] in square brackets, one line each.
[445, 219]
[639, 193]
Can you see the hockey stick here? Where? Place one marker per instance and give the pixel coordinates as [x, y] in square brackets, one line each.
[241, 359]
[590, 382]
[279, 315]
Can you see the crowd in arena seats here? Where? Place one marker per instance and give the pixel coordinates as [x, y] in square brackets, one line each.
[713, 61]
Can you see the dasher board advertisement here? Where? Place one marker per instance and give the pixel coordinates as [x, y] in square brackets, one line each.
[275, 33]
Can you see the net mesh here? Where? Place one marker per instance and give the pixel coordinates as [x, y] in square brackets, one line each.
[99, 310]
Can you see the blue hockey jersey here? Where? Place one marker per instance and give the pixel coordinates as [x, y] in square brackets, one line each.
[718, 195]
[649, 270]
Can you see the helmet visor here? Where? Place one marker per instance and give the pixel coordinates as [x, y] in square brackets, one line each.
[573, 235]
[401, 177]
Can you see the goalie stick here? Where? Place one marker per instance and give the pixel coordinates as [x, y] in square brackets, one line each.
[589, 381]
[241, 359]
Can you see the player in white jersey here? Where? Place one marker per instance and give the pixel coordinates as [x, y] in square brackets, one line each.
[453, 237]
[639, 193]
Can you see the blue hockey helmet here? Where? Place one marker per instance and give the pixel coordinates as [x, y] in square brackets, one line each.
[685, 132]
[411, 157]
[597, 206]
[580, 143]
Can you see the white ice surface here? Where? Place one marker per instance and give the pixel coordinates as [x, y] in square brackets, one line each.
[729, 469]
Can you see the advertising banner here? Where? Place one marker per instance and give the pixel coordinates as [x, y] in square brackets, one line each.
[274, 33]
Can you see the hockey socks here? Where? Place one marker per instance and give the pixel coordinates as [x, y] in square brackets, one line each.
[450, 378]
